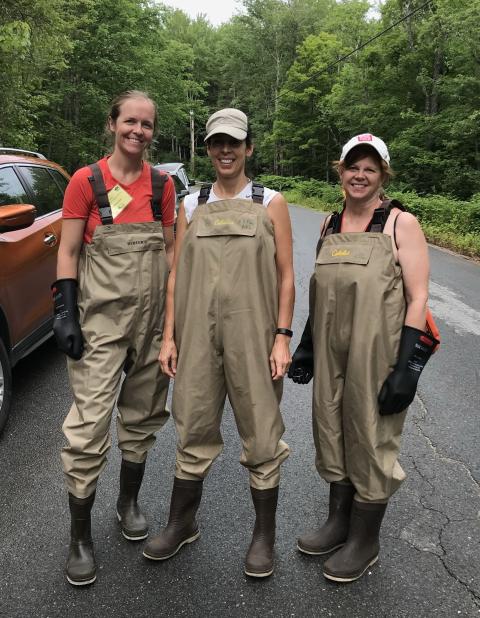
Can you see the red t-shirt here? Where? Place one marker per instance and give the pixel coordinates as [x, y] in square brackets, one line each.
[80, 203]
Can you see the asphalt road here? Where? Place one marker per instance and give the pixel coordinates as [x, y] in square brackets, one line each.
[430, 558]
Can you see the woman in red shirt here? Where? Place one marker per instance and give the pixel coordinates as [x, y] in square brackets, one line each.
[113, 262]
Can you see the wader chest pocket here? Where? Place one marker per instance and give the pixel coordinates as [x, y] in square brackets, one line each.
[344, 254]
[227, 224]
[117, 246]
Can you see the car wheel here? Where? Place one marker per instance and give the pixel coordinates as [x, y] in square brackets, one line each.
[5, 386]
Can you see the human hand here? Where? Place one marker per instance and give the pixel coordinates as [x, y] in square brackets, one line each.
[280, 357]
[168, 357]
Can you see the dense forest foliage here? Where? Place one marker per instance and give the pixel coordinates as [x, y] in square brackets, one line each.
[417, 86]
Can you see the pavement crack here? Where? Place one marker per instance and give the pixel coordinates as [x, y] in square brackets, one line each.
[433, 447]
[437, 546]
[475, 596]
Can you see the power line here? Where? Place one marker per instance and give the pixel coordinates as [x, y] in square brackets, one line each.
[360, 47]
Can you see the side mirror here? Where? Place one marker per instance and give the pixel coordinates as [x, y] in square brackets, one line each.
[16, 217]
[183, 194]
[191, 182]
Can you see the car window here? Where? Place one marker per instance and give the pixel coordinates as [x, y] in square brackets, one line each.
[47, 197]
[11, 189]
[62, 182]
[178, 183]
[183, 176]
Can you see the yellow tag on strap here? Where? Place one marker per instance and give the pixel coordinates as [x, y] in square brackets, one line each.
[119, 199]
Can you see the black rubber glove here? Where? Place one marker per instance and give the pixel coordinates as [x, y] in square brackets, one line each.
[66, 325]
[398, 390]
[301, 369]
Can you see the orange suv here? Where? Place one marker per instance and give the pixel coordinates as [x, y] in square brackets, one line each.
[31, 195]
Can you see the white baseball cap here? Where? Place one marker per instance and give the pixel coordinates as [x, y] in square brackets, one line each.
[229, 121]
[366, 139]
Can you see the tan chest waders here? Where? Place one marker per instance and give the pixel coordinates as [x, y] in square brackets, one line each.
[122, 277]
[357, 308]
[226, 309]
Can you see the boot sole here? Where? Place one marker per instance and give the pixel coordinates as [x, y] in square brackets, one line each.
[346, 580]
[252, 574]
[319, 553]
[130, 537]
[179, 547]
[81, 583]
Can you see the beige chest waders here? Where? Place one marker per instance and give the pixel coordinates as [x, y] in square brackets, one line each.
[357, 309]
[122, 277]
[226, 309]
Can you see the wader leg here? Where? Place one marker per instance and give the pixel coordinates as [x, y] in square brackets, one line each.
[328, 425]
[254, 396]
[197, 407]
[95, 380]
[372, 441]
[255, 401]
[142, 407]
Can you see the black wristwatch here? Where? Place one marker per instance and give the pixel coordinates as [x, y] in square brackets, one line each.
[284, 331]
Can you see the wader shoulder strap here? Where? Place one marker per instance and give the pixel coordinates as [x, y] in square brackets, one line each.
[100, 193]
[380, 215]
[158, 183]
[377, 223]
[204, 194]
[334, 224]
[257, 193]
[333, 227]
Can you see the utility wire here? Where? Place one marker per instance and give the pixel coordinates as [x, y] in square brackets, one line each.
[360, 47]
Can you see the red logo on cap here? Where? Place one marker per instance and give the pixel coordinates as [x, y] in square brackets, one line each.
[366, 137]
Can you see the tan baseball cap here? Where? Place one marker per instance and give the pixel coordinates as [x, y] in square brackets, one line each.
[230, 121]
[366, 139]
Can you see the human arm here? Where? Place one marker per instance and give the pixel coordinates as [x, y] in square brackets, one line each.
[70, 247]
[169, 238]
[280, 357]
[413, 258]
[168, 350]
[168, 217]
[416, 346]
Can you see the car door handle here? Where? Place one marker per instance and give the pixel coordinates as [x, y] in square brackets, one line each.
[50, 240]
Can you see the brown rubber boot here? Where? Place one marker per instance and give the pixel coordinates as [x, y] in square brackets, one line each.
[362, 546]
[259, 560]
[182, 527]
[81, 569]
[134, 525]
[334, 531]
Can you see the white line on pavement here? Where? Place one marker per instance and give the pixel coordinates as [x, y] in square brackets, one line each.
[446, 306]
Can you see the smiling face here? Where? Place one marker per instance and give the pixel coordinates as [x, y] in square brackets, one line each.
[228, 155]
[362, 178]
[134, 126]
